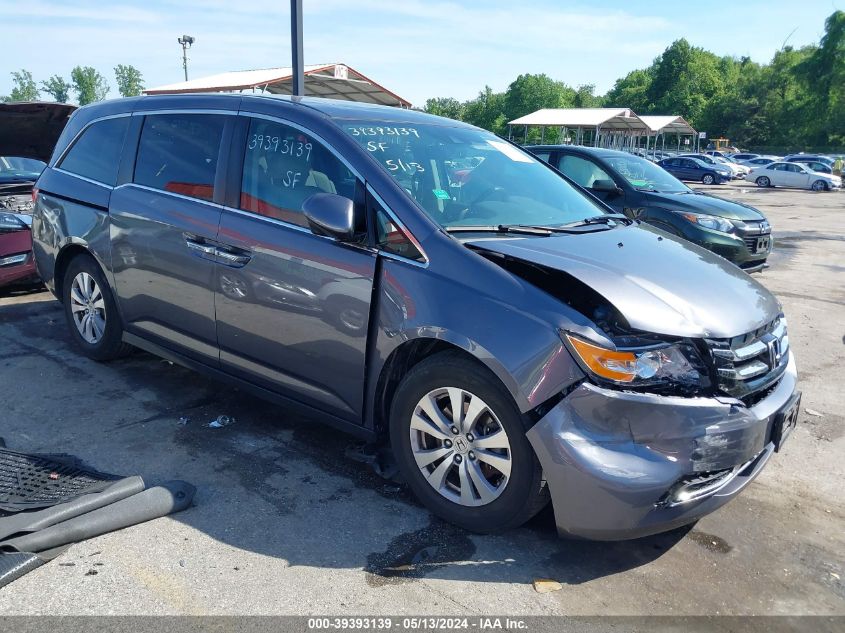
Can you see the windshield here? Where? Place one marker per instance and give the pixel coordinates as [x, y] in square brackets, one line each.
[13, 168]
[466, 177]
[645, 175]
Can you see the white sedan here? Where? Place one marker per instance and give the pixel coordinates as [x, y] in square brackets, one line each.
[783, 174]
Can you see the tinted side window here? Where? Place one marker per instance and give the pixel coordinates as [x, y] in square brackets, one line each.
[283, 166]
[544, 156]
[582, 171]
[96, 154]
[178, 153]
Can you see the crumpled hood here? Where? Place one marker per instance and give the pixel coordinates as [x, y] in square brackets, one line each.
[704, 203]
[31, 130]
[660, 283]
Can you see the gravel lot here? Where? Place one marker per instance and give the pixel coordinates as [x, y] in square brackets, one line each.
[284, 523]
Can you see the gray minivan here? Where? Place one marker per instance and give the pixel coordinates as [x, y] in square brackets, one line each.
[423, 283]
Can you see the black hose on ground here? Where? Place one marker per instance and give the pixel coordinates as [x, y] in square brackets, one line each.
[150, 504]
[39, 519]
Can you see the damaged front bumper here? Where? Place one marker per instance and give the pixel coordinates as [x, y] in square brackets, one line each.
[623, 465]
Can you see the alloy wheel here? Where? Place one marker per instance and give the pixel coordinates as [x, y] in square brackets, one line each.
[460, 446]
[819, 185]
[88, 308]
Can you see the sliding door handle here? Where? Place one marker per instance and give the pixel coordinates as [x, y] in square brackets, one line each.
[229, 258]
[196, 244]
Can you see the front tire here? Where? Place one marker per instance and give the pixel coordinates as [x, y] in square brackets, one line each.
[91, 312]
[459, 441]
[708, 179]
[763, 181]
[819, 185]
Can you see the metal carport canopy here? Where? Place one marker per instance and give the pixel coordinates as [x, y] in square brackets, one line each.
[606, 118]
[667, 124]
[334, 81]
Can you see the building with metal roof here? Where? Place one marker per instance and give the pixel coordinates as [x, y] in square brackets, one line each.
[667, 124]
[607, 118]
[333, 81]
[615, 128]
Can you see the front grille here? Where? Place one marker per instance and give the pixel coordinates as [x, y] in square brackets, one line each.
[751, 363]
[751, 242]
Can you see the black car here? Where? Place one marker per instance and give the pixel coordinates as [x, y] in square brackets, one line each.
[642, 190]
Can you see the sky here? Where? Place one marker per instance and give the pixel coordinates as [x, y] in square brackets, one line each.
[416, 48]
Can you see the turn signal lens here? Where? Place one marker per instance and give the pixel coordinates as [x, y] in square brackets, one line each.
[618, 366]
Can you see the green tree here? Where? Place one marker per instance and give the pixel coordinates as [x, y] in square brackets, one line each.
[130, 82]
[585, 97]
[487, 111]
[631, 91]
[528, 93]
[88, 84]
[684, 79]
[57, 88]
[24, 87]
[823, 75]
[445, 106]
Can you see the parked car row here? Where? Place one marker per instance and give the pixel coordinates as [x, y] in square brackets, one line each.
[522, 330]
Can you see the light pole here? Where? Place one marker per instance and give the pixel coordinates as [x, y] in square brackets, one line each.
[185, 41]
[297, 61]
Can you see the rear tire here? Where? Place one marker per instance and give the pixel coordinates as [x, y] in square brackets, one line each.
[763, 181]
[708, 179]
[465, 483]
[91, 312]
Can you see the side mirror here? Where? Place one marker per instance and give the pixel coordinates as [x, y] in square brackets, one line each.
[605, 186]
[331, 215]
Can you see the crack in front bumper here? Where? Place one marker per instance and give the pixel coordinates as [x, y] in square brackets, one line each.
[610, 456]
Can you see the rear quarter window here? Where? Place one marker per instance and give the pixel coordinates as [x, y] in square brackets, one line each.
[96, 153]
[179, 153]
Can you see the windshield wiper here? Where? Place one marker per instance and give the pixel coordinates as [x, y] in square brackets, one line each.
[606, 218]
[541, 230]
[501, 228]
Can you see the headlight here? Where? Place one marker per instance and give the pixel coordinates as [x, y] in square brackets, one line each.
[674, 365]
[710, 222]
[11, 222]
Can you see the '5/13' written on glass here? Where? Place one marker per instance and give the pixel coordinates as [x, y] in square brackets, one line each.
[298, 149]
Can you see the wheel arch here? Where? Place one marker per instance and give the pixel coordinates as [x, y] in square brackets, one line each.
[411, 353]
[65, 255]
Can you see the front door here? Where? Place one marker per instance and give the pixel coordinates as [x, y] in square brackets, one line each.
[293, 308]
[162, 227]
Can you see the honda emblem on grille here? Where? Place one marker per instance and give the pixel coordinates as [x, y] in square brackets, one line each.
[774, 352]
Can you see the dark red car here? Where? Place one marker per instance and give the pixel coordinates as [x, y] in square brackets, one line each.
[28, 133]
